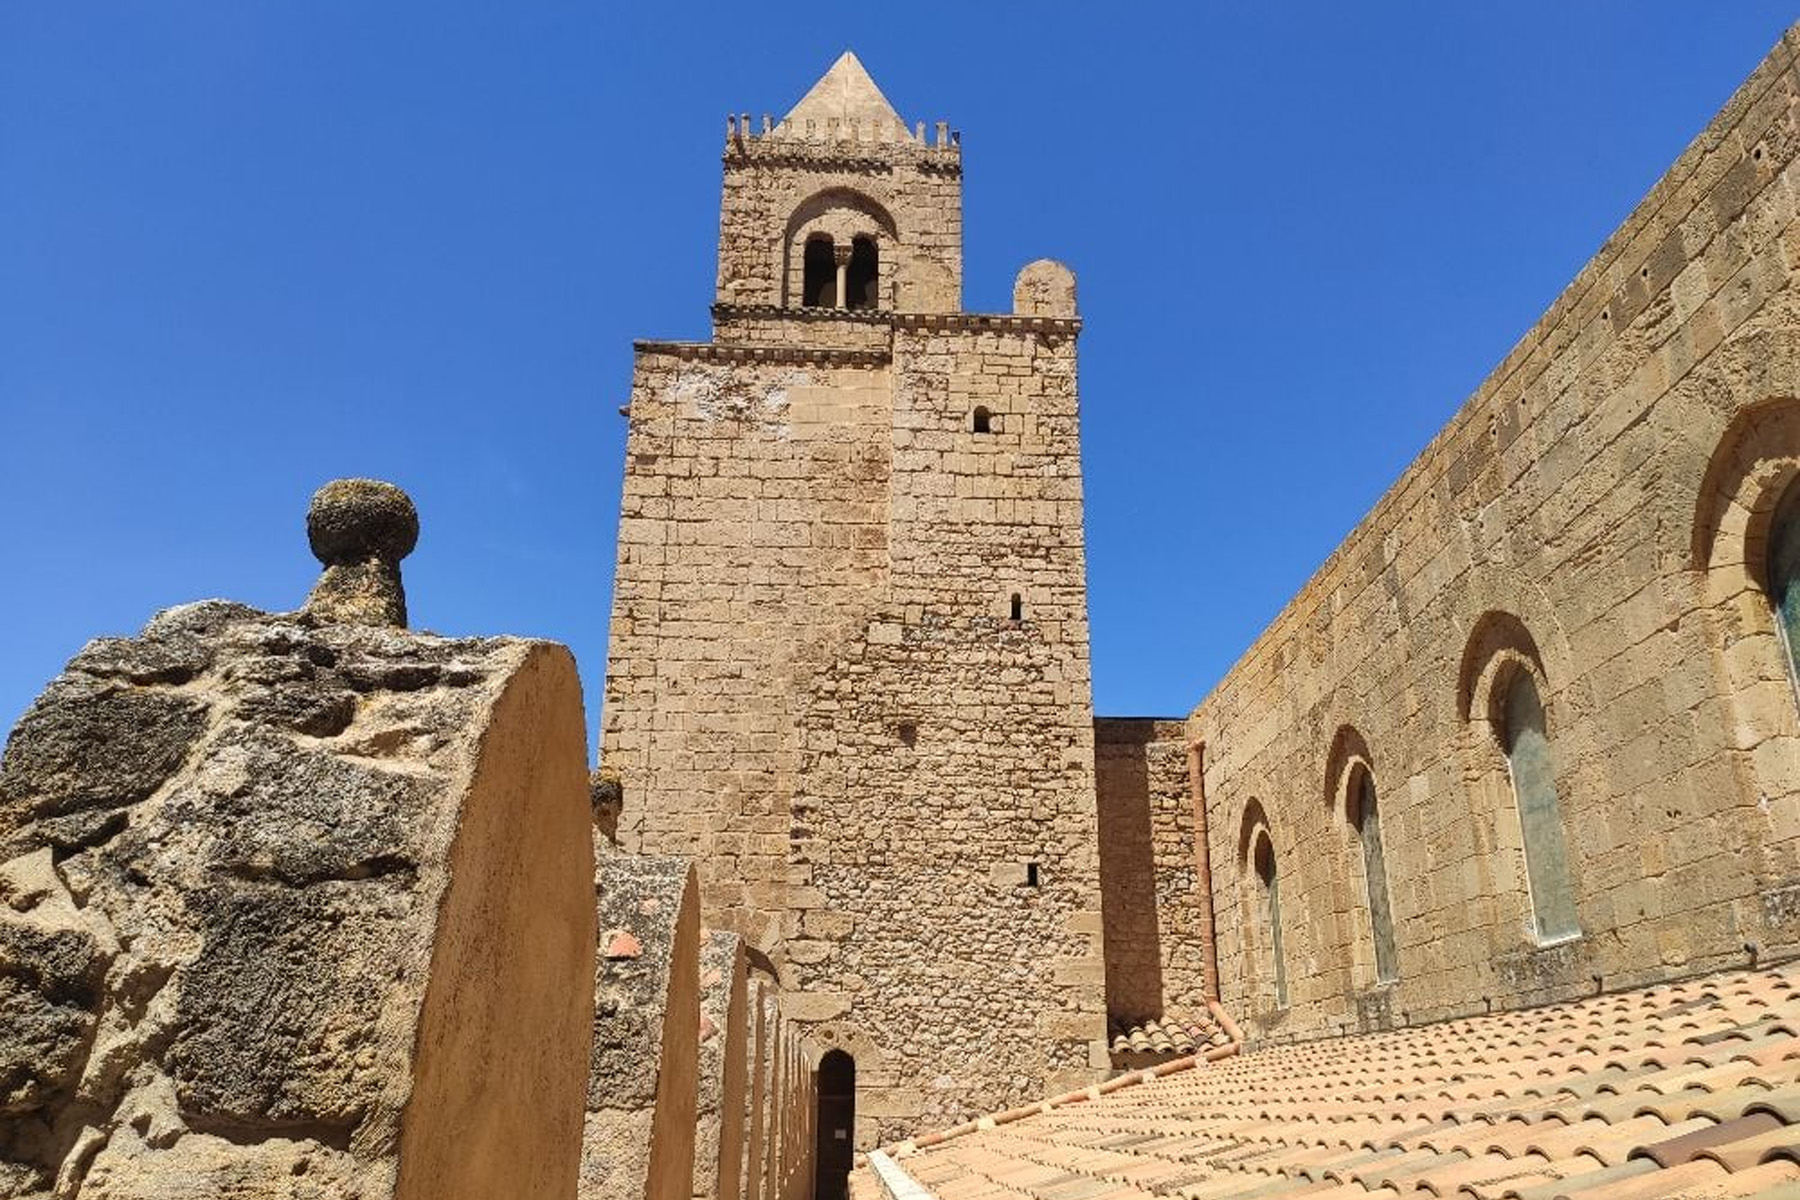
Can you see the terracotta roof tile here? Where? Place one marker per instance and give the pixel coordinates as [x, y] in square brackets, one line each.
[1682, 1090]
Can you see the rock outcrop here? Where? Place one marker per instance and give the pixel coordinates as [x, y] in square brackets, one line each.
[294, 908]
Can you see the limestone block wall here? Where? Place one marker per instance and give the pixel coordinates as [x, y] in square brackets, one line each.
[752, 541]
[1594, 518]
[944, 813]
[819, 689]
[1152, 913]
[274, 892]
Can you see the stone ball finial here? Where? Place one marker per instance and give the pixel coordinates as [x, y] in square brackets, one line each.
[354, 520]
[360, 529]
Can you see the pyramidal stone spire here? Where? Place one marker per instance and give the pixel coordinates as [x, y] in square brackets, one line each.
[845, 94]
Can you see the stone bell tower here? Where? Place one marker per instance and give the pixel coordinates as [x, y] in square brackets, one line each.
[810, 204]
[849, 672]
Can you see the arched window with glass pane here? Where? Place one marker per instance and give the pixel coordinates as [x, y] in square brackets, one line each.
[1784, 577]
[1526, 740]
[1269, 893]
[1367, 819]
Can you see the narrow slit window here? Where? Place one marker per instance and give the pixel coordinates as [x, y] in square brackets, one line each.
[819, 288]
[1031, 874]
[1540, 812]
[1018, 607]
[983, 421]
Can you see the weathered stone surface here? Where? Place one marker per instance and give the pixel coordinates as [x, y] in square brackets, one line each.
[270, 891]
[1151, 909]
[724, 1024]
[642, 1091]
[87, 748]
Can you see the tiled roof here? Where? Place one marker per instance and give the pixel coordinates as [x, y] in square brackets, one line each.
[1681, 1090]
[1167, 1036]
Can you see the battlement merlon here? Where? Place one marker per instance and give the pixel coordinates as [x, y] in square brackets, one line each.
[839, 137]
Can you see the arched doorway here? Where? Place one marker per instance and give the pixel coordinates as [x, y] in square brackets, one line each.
[837, 1125]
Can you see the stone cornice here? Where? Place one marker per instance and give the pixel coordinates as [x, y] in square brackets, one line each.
[846, 156]
[726, 352]
[998, 322]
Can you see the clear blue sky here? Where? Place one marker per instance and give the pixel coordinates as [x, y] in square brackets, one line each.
[250, 245]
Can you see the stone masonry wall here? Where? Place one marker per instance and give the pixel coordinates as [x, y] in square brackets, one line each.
[1152, 914]
[1593, 516]
[818, 691]
[948, 757]
[752, 540]
[907, 192]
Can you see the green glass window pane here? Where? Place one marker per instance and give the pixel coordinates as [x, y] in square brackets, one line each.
[1381, 917]
[1540, 813]
[1271, 888]
[1784, 575]
[1281, 989]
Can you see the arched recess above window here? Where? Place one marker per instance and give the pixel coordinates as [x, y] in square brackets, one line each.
[862, 233]
[1503, 686]
[1263, 875]
[1351, 794]
[1742, 539]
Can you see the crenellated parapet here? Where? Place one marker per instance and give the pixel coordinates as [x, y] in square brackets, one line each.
[848, 144]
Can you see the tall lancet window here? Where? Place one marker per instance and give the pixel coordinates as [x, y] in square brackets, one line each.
[1527, 742]
[1269, 893]
[1367, 819]
[1784, 577]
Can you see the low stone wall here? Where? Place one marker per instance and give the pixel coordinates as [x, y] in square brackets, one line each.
[699, 1086]
[302, 905]
[724, 1067]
